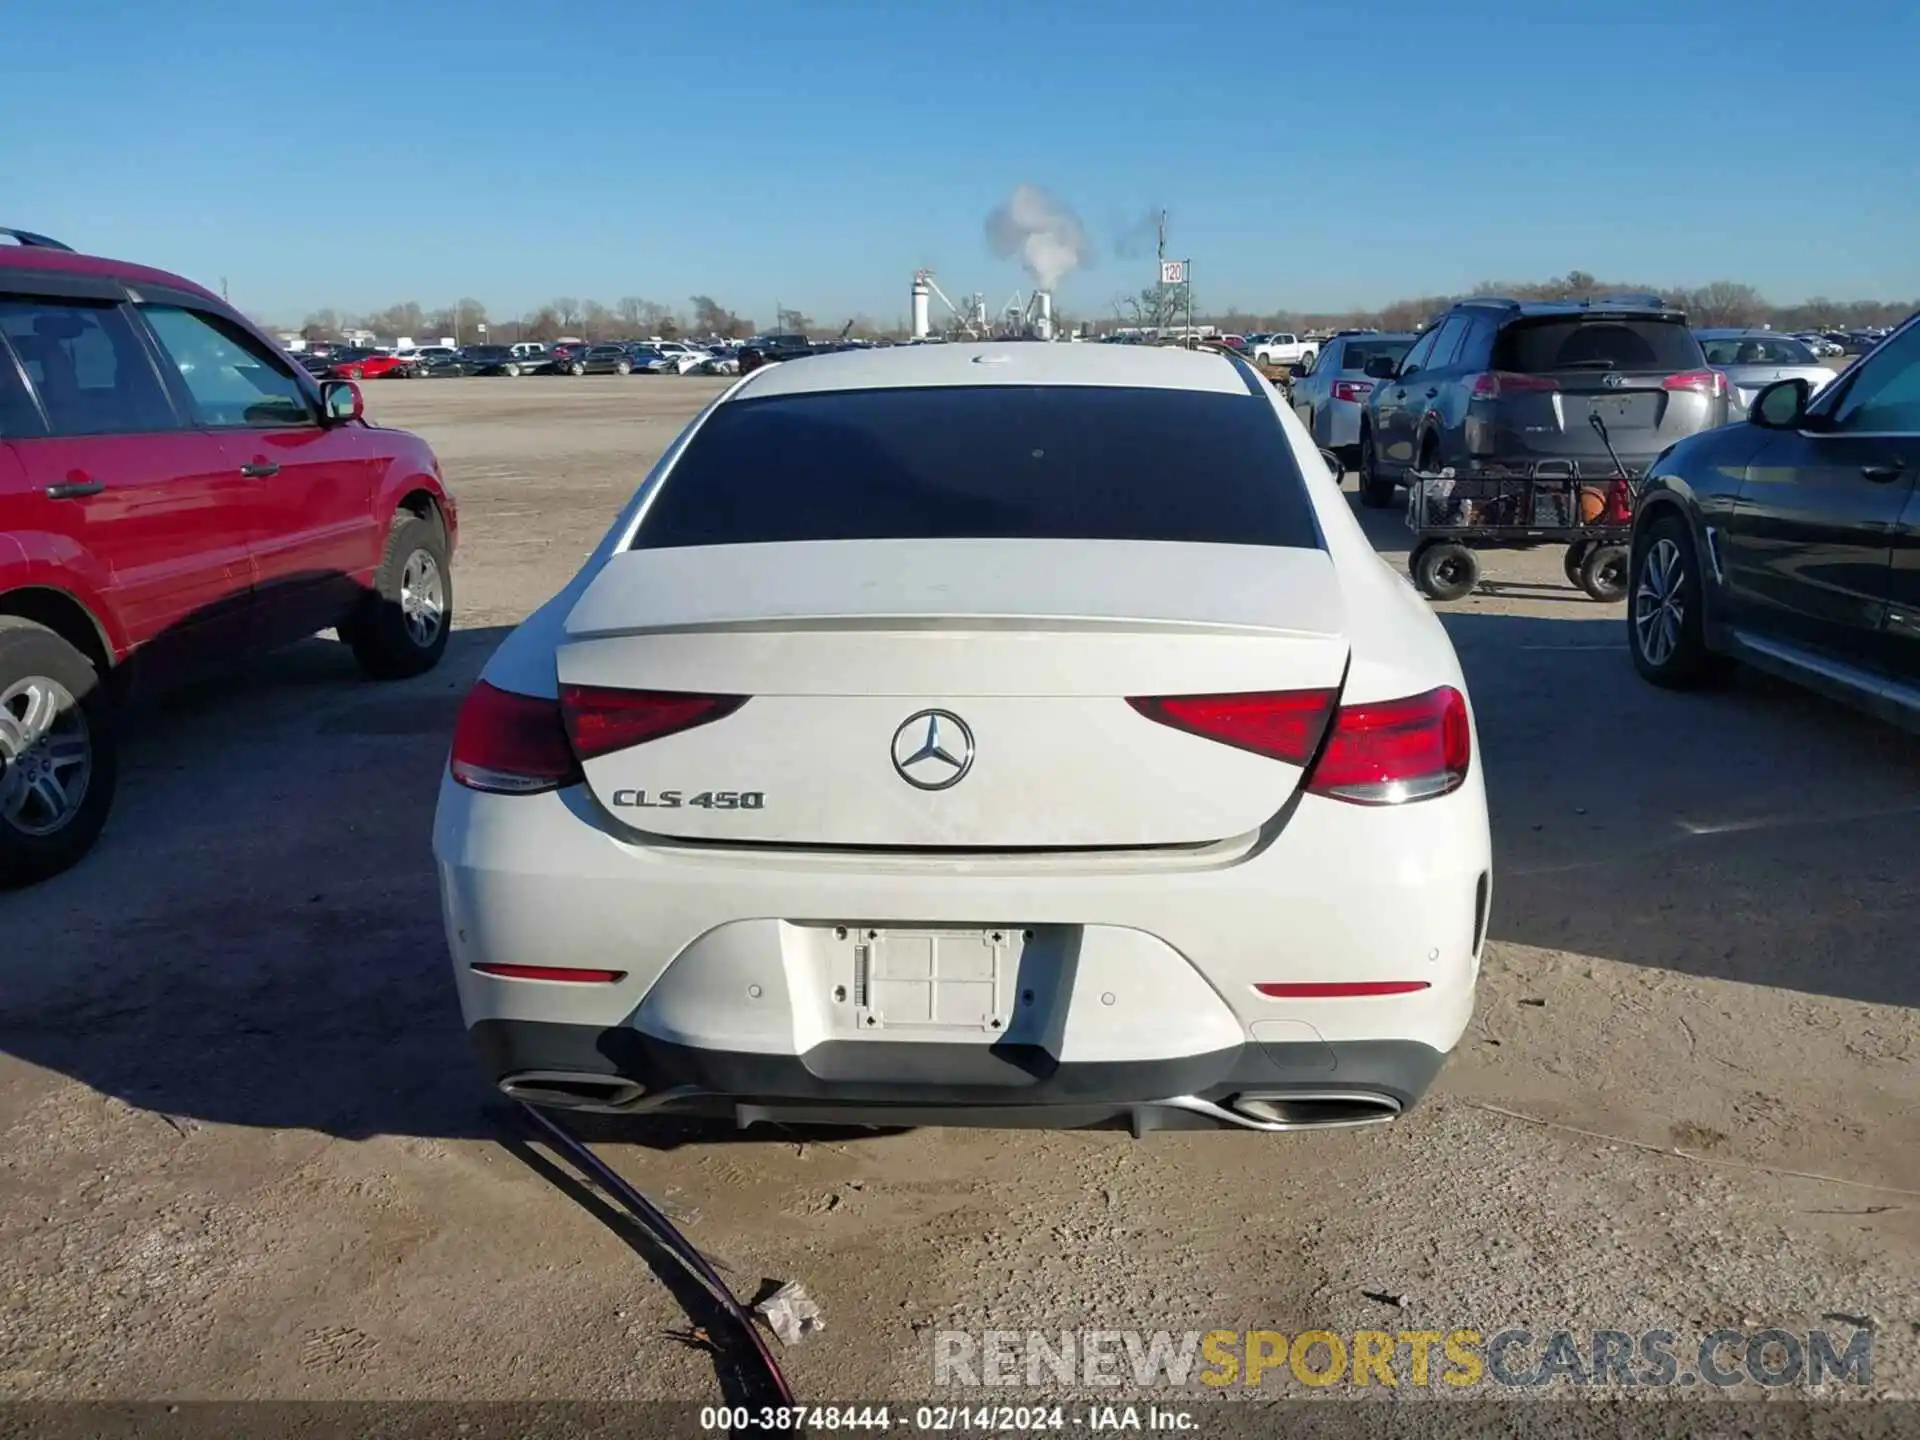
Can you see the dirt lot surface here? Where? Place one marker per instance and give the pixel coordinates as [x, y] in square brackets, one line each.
[243, 1149]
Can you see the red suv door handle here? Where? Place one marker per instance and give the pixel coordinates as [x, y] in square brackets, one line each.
[77, 487]
[260, 470]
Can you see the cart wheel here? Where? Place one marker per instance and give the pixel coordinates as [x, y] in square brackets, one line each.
[1572, 560]
[1444, 569]
[1603, 573]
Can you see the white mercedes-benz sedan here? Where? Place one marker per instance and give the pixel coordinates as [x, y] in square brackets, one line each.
[1010, 734]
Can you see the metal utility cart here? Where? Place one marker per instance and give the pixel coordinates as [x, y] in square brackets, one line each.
[1547, 503]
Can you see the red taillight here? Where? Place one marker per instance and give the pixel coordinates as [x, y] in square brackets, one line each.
[1341, 990]
[511, 744]
[1492, 384]
[567, 973]
[1710, 383]
[1354, 390]
[1383, 752]
[1281, 725]
[600, 721]
[1387, 752]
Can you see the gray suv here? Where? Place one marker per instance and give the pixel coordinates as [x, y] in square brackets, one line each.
[1496, 385]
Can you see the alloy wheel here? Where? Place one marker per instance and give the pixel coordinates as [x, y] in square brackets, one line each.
[46, 755]
[423, 599]
[1658, 606]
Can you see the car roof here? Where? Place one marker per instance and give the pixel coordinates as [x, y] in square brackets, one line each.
[1369, 336]
[68, 262]
[999, 363]
[1736, 332]
[1638, 307]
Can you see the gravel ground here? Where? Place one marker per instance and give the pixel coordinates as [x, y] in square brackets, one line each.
[244, 1152]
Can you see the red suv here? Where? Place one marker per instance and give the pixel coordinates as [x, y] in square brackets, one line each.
[175, 495]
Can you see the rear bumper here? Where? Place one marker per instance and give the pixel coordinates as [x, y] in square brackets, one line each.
[1312, 1084]
[1336, 425]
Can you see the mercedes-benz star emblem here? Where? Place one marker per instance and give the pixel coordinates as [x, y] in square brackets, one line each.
[933, 749]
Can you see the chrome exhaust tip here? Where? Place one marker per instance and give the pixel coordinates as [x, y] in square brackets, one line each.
[1317, 1110]
[569, 1090]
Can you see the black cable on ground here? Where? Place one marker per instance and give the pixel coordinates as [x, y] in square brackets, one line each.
[669, 1238]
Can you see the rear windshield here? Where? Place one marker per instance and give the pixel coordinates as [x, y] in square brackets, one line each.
[1535, 347]
[988, 462]
[1758, 350]
[1355, 354]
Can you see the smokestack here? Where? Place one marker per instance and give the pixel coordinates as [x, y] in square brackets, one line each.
[922, 293]
[1043, 316]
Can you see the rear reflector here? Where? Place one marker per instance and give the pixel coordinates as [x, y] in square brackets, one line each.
[601, 721]
[1383, 752]
[510, 744]
[1281, 725]
[564, 973]
[1350, 990]
[1701, 382]
[1387, 752]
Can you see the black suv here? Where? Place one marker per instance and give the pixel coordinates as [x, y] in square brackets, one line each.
[1496, 385]
[1792, 542]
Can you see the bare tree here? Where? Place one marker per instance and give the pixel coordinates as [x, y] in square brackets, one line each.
[1724, 303]
[597, 321]
[1155, 308]
[712, 318]
[793, 322]
[566, 310]
[321, 325]
[543, 324]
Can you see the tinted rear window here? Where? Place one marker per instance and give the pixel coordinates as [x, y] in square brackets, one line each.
[1758, 350]
[1355, 354]
[989, 462]
[1535, 347]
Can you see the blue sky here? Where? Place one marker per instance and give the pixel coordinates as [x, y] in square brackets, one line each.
[360, 152]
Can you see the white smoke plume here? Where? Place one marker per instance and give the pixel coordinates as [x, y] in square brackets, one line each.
[1042, 231]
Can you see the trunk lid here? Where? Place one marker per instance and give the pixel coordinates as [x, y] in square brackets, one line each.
[1005, 666]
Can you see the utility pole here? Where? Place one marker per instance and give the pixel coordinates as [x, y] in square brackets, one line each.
[223, 287]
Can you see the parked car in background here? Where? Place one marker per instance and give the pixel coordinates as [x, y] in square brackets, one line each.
[591, 360]
[177, 495]
[531, 355]
[371, 365]
[682, 356]
[506, 360]
[568, 357]
[1282, 348]
[645, 360]
[723, 361]
[1788, 542]
[1753, 359]
[1331, 395]
[452, 365]
[1498, 385]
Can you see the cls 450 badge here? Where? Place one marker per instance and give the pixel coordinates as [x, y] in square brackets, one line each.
[676, 799]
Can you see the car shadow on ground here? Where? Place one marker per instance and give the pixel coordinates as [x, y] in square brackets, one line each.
[257, 940]
[1753, 833]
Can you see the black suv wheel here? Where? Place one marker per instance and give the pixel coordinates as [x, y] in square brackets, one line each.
[1375, 490]
[1664, 623]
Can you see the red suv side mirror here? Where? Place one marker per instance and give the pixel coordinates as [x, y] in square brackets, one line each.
[341, 402]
